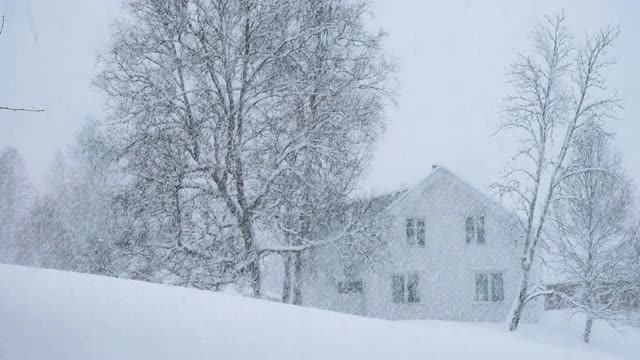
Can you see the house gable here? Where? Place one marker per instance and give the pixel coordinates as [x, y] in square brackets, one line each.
[442, 179]
[436, 279]
[447, 265]
[443, 200]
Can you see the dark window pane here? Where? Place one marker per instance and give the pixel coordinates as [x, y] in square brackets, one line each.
[398, 289]
[469, 228]
[410, 232]
[482, 287]
[480, 229]
[350, 287]
[497, 287]
[412, 288]
[420, 231]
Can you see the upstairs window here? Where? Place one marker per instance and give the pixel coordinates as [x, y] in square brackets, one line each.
[415, 232]
[405, 288]
[350, 287]
[489, 287]
[474, 226]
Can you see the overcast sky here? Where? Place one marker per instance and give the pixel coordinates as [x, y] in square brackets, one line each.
[452, 56]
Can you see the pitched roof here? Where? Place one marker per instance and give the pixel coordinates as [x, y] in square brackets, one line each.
[440, 172]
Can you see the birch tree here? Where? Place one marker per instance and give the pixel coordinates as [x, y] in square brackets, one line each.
[557, 90]
[593, 232]
[185, 76]
[200, 97]
[334, 116]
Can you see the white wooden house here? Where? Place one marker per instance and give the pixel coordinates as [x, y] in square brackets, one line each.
[453, 254]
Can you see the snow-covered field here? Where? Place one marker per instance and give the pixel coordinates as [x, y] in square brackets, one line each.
[47, 314]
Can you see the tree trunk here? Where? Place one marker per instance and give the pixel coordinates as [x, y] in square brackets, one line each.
[253, 268]
[521, 300]
[286, 283]
[297, 285]
[254, 274]
[587, 329]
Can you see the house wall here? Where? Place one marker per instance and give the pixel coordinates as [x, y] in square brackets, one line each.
[322, 291]
[446, 264]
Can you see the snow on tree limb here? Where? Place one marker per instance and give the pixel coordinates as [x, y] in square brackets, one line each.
[547, 116]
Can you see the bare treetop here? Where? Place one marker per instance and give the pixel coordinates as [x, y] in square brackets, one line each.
[557, 91]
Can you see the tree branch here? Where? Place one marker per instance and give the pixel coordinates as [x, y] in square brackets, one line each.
[20, 109]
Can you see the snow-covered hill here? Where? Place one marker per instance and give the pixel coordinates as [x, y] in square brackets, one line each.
[47, 314]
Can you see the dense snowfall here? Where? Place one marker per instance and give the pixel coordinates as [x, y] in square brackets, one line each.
[230, 158]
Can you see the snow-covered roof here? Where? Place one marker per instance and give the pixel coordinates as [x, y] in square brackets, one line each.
[433, 179]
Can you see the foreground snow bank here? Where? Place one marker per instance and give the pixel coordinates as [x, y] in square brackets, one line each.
[47, 314]
[561, 328]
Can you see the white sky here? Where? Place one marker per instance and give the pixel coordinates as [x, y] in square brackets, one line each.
[452, 56]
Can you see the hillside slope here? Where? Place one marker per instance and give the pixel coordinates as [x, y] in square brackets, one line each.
[48, 314]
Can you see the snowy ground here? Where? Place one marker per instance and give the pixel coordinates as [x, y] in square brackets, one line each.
[46, 314]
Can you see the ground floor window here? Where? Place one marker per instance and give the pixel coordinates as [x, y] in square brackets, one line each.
[405, 288]
[350, 287]
[489, 286]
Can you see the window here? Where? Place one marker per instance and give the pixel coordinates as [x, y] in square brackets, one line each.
[470, 227]
[474, 226]
[398, 289]
[350, 287]
[482, 287]
[420, 231]
[410, 231]
[405, 288]
[412, 288]
[480, 229]
[489, 287]
[415, 232]
[497, 287]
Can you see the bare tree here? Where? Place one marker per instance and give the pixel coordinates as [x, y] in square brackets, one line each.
[334, 116]
[558, 90]
[202, 102]
[187, 77]
[593, 230]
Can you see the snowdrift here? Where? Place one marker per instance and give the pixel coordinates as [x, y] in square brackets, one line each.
[48, 314]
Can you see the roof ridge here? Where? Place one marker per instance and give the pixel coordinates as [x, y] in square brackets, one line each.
[437, 168]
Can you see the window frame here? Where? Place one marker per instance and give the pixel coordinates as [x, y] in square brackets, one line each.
[410, 282]
[420, 229]
[397, 281]
[415, 231]
[482, 276]
[489, 274]
[350, 287]
[475, 229]
[492, 286]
